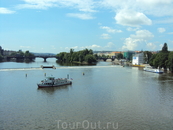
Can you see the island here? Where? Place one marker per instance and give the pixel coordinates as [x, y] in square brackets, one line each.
[79, 57]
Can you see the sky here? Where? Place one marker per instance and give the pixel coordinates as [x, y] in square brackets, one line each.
[55, 26]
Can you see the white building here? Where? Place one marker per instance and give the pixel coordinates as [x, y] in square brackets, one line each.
[138, 59]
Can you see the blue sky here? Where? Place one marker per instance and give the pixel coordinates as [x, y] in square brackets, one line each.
[58, 25]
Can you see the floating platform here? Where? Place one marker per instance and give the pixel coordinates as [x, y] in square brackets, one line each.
[45, 67]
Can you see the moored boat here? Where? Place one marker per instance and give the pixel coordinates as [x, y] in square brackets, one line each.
[52, 82]
[150, 69]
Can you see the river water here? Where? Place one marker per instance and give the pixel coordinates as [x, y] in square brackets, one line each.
[106, 97]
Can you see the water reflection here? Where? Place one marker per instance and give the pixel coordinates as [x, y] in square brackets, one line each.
[52, 90]
[73, 64]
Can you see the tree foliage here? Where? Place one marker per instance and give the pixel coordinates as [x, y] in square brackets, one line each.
[163, 59]
[170, 61]
[159, 60]
[22, 54]
[90, 58]
[147, 56]
[151, 61]
[18, 53]
[120, 56]
[165, 48]
[28, 54]
[80, 56]
[1, 57]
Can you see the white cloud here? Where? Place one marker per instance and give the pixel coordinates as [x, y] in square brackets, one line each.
[166, 20]
[114, 4]
[170, 33]
[130, 44]
[141, 36]
[110, 45]
[37, 4]
[25, 47]
[77, 48]
[128, 12]
[156, 7]
[151, 46]
[6, 11]
[110, 30]
[149, 7]
[161, 30]
[105, 36]
[93, 47]
[155, 2]
[132, 18]
[84, 5]
[132, 29]
[83, 16]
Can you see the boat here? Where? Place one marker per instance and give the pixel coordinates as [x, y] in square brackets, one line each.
[52, 82]
[150, 69]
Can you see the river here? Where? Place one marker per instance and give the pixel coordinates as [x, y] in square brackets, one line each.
[106, 97]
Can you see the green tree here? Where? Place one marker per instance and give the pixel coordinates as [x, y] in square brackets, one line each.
[71, 51]
[170, 61]
[96, 56]
[75, 56]
[1, 57]
[105, 56]
[61, 56]
[90, 52]
[28, 54]
[147, 56]
[161, 59]
[18, 54]
[165, 48]
[90, 58]
[120, 56]
[79, 56]
[151, 61]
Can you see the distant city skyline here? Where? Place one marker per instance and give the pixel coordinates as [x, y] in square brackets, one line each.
[53, 26]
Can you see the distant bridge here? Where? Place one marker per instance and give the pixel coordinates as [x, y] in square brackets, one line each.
[104, 59]
[45, 57]
[31, 57]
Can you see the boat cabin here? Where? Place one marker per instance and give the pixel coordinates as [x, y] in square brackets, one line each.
[50, 78]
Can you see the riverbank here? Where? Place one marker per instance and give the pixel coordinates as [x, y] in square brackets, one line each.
[75, 63]
[17, 60]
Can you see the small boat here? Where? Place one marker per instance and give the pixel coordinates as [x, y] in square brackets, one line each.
[150, 69]
[52, 82]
